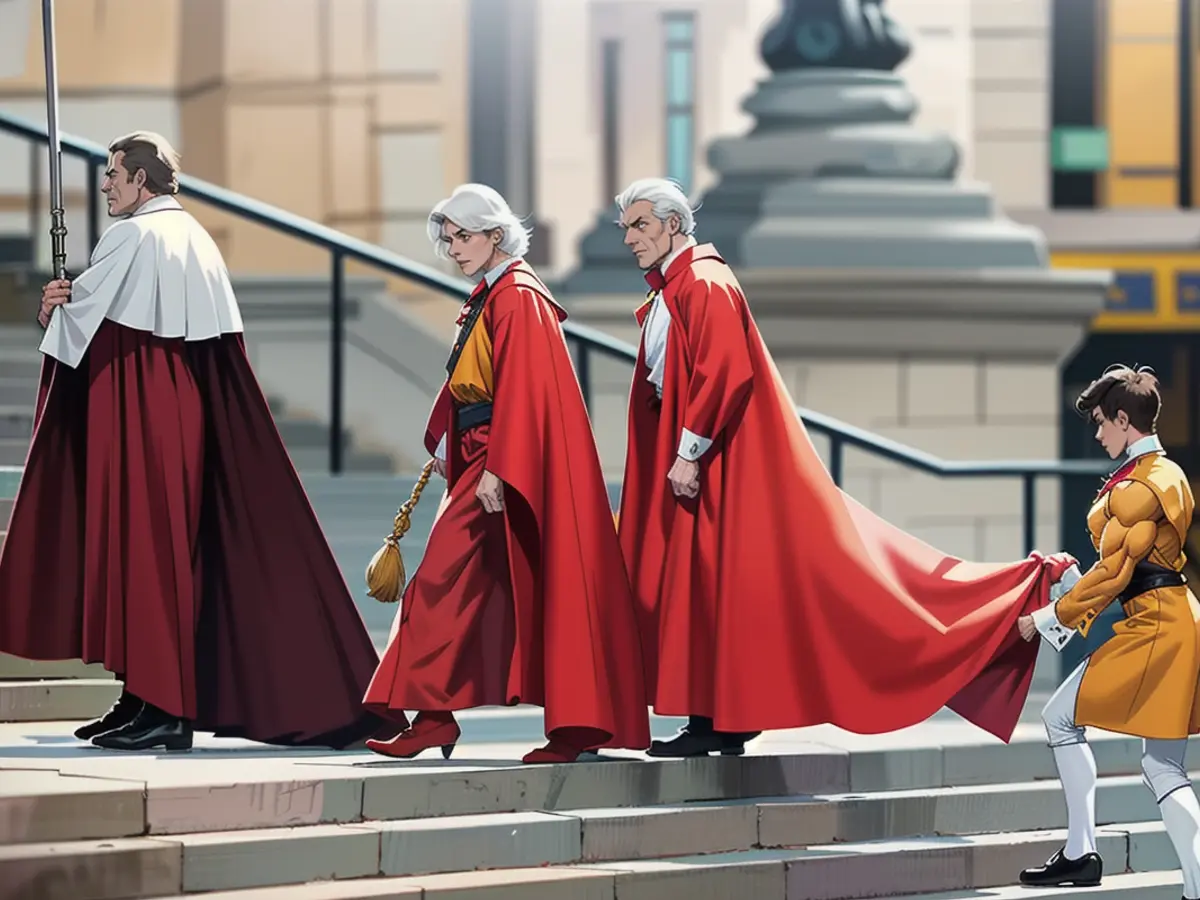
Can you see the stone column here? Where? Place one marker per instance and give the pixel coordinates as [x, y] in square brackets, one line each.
[503, 102]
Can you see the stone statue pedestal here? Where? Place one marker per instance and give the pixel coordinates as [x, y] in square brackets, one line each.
[835, 174]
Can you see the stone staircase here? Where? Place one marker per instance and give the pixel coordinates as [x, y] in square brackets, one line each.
[307, 439]
[937, 811]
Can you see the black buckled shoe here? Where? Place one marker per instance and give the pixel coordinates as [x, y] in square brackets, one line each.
[698, 738]
[1060, 871]
[120, 713]
[151, 729]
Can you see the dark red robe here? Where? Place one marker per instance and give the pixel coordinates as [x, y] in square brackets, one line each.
[531, 605]
[772, 600]
[160, 529]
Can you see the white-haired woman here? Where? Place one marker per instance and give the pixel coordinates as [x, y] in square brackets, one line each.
[521, 596]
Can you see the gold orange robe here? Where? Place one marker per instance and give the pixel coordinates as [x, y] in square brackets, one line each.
[1142, 681]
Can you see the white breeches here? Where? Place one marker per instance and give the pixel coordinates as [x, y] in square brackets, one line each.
[1163, 767]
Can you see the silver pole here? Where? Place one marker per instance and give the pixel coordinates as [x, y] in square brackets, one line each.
[58, 224]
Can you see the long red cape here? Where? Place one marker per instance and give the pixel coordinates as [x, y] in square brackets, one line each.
[576, 650]
[275, 650]
[773, 600]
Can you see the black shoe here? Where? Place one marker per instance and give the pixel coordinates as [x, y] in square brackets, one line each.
[150, 729]
[1059, 871]
[698, 738]
[120, 713]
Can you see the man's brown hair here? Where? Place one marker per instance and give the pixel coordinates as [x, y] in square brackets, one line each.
[1133, 391]
[154, 155]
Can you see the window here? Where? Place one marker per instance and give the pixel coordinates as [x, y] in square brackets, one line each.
[1140, 104]
[680, 119]
[610, 86]
[1079, 146]
[1122, 103]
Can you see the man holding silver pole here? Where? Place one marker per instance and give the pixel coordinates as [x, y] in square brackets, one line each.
[160, 528]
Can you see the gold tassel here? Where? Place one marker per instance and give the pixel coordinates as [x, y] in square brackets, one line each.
[385, 571]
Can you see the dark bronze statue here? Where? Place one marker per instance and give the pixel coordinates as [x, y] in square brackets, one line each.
[834, 34]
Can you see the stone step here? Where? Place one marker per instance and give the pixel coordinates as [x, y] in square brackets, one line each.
[14, 668]
[308, 433]
[13, 451]
[23, 364]
[16, 421]
[836, 795]
[316, 459]
[10, 480]
[18, 392]
[412, 853]
[45, 701]
[1128, 886]
[574, 884]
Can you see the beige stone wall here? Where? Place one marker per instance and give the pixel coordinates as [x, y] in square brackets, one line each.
[1011, 77]
[958, 411]
[348, 112]
[938, 71]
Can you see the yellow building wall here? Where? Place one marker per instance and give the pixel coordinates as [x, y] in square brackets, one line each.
[1152, 291]
[1140, 103]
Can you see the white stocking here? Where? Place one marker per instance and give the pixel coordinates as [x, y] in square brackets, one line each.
[1077, 772]
[1181, 815]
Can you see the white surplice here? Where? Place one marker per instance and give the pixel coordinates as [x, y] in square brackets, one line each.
[157, 270]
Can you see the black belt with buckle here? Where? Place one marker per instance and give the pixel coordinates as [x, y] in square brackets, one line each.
[472, 415]
[1148, 577]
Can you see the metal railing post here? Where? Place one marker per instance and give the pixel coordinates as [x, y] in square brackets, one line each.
[583, 370]
[1029, 510]
[337, 362]
[93, 202]
[837, 459]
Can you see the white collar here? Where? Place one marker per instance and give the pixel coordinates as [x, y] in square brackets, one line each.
[492, 275]
[665, 265]
[1142, 446]
[157, 204]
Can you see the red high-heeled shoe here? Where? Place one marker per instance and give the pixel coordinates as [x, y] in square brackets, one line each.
[426, 732]
[554, 752]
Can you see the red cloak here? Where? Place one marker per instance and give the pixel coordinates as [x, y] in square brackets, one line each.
[531, 605]
[161, 530]
[772, 600]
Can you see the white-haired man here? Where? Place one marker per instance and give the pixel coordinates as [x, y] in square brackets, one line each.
[160, 528]
[521, 596]
[770, 600]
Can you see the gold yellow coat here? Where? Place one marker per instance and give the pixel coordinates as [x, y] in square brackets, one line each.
[1142, 681]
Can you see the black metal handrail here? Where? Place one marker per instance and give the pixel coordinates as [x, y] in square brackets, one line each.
[586, 340]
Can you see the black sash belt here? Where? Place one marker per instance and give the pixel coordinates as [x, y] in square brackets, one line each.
[474, 312]
[1148, 577]
[472, 415]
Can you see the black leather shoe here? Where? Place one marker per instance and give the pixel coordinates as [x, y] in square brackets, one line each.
[1060, 871]
[120, 713]
[150, 729]
[699, 739]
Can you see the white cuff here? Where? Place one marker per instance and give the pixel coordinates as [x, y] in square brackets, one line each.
[1047, 624]
[692, 446]
[440, 452]
[1068, 580]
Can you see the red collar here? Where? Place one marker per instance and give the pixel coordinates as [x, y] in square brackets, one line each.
[1118, 476]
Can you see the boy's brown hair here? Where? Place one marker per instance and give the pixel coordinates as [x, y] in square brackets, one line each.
[1133, 391]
